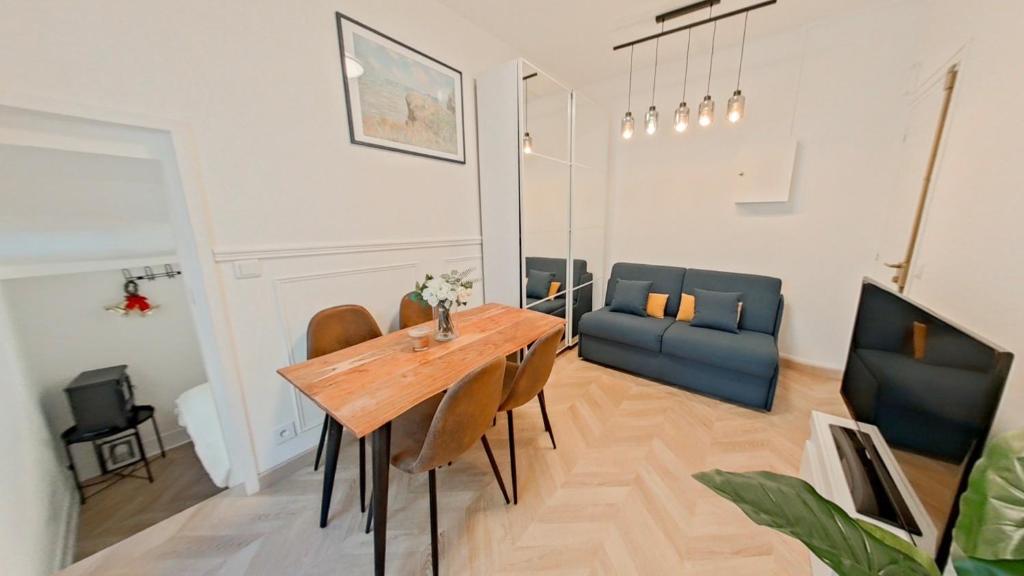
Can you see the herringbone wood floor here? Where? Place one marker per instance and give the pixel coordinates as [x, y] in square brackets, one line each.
[616, 497]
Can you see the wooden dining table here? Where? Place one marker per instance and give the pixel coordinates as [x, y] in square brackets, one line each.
[366, 386]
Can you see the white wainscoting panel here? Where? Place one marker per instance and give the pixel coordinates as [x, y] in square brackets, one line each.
[302, 296]
[270, 312]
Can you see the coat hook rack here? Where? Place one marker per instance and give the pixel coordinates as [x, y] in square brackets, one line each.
[148, 274]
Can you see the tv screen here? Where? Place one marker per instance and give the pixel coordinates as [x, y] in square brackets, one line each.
[931, 388]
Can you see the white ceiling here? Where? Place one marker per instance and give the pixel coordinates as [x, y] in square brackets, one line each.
[572, 39]
[62, 206]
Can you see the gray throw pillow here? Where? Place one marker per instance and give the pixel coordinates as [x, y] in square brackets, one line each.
[717, 310]
[538, 283]
[631, 296]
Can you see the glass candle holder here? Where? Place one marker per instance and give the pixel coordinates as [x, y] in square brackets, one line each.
[420, 337]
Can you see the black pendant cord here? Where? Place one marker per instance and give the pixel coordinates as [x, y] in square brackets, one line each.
[686, 66]
[657, 48]
[711, 63]
[526, 106]
[743, 48]
[629, 90]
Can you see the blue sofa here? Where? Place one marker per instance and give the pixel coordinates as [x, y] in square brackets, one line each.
[741, 368]
[583, 298]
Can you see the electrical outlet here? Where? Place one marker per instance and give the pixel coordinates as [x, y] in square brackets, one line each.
[284, 433]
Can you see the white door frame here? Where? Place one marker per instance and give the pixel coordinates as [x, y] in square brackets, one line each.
[170, 142]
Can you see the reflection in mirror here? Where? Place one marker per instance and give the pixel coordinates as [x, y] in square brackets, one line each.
[545, 193]
[927, 390]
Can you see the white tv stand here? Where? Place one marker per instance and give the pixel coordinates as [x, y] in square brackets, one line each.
[820, 466]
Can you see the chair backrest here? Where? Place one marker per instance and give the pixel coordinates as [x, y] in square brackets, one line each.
[339, 327]
[666, 280]
[533, 373]
[463, 416]
[413, 311]
[760, 295]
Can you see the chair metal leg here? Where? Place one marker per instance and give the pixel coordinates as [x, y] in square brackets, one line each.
[320, 446]
[362, 474]
[369, 517]
[544, 414]
[432, 477]
[159, 439]
[512, 458]
[330, 467]
[494, 468]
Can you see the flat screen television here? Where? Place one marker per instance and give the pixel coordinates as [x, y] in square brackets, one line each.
[931, 388]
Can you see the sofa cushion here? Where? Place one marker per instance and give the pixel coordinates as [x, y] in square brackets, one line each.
[631, 296]
[641, 332]
[748, 351]
[760, 299]
[555, 306]
[665, 280]
[717, 310]
[538, 282]
[558, 268]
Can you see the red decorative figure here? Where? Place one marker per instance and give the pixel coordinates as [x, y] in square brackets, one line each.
[133, 301]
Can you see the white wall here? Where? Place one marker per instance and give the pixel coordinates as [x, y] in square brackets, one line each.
[837, 86]
[64, 206]
[63, 329]
[259, 85]
[33, 478]
[970, 265]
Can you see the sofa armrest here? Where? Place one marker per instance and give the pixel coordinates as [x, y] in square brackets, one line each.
[778, 317]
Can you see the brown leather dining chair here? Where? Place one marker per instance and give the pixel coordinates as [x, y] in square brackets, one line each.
[413, 311]
[330, 330]
[522, 382]
[442, 428]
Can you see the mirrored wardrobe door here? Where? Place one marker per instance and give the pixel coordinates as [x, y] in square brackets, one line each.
[589, 173]
[545, 194]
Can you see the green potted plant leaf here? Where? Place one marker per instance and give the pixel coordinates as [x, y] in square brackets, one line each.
[989, 534]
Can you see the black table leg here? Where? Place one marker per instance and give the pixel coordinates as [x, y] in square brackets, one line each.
[145, 459]
[362, 474]
[320, 445]
[381, 465]
[330, 467]
[159, 439]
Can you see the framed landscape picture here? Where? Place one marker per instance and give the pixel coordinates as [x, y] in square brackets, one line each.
[399, 98]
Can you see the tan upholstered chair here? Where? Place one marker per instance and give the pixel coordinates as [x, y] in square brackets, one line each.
[413, 311]
[442, 428]
[522, 382]
[331, 330]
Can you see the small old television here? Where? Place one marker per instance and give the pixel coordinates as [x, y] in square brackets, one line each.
[101, 399]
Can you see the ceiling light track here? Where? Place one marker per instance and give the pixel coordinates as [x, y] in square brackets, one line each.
[697, 24]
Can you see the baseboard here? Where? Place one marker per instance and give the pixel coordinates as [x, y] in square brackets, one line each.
[66, 540]
[287, 468]
[791, 363]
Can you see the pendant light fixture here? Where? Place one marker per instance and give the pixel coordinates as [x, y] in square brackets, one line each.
[738, 102]
[527, 139]
[627, 120]
[651, 119]
[682, 119]
[706, 112]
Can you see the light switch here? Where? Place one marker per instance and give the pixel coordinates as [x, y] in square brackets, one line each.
[248, 269]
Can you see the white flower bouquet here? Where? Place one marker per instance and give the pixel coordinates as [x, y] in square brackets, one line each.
[443, 293]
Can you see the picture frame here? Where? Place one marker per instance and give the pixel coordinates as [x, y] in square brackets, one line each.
[398, 98]
[117, 453]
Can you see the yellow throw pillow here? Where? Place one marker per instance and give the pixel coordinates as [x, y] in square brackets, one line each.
[553, 289]
[656, 304]
[687, 307]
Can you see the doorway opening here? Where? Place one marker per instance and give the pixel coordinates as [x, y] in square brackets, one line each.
[108, 305]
